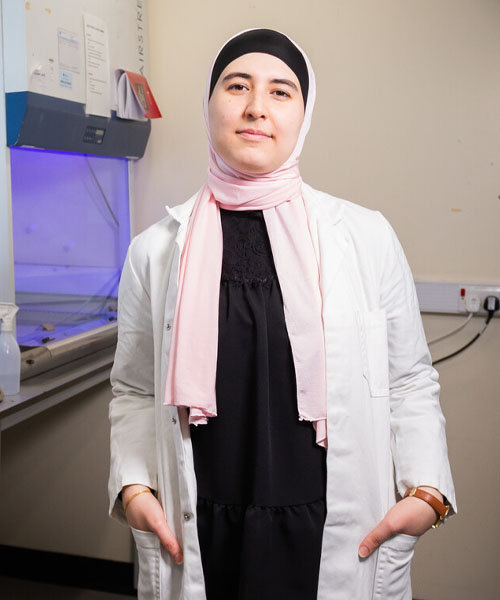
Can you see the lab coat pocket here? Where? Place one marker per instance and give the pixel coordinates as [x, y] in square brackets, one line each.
[373, 328]
[392, 575]
[148, 551]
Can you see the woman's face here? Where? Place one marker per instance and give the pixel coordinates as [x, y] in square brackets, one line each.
[255, 113]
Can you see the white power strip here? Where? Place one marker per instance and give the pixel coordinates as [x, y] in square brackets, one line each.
[457, 298]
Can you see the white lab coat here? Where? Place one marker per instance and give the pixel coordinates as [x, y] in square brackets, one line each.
[386, 430]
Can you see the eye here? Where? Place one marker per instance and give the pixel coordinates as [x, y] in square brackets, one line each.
[239, 87]
[281, 93]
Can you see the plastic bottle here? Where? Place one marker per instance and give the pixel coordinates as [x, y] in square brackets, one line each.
[10, 354]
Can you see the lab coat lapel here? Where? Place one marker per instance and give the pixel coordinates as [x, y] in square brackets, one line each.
[330, 241]
[181, 213]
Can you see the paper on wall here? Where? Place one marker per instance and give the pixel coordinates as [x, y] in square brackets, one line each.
[96, 66]
[68, 49]
[69, 57]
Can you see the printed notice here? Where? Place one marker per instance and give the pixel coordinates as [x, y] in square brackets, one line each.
[96, 66]
[68, 50]
[65, 79]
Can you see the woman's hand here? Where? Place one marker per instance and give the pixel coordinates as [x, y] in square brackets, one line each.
[410, 515]
[145, 513]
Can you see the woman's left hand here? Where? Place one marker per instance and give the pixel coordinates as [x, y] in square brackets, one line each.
[410, 515]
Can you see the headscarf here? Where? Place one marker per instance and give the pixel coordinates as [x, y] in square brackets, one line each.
[192, 364]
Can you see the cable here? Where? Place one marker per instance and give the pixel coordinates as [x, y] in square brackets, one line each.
[445, 335]
[491, 305]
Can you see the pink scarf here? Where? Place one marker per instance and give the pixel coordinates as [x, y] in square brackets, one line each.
[192, 365]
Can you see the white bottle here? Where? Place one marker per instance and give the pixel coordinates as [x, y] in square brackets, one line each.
[10, 354]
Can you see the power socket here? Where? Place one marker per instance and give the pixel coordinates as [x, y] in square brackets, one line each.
[472, 302]
[449, 296]
[472, 297]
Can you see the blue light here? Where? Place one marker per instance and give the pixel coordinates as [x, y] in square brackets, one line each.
[71, 232]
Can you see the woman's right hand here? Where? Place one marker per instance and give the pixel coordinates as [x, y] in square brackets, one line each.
[144, 512]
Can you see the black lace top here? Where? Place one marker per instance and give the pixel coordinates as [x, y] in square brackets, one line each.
[246, 249]
[261, 478]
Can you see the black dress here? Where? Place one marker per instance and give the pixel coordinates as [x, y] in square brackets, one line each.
[261, 477]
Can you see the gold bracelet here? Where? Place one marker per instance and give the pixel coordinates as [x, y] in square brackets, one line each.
[132, 497]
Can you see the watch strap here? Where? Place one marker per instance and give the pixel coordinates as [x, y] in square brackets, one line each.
[440, 508]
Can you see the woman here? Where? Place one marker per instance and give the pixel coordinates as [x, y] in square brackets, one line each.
[273, 387]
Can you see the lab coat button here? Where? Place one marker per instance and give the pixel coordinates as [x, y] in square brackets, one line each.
[187, 516]
[174, 420]
[169, 327]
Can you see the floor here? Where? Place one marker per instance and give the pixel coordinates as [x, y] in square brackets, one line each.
[19, 589]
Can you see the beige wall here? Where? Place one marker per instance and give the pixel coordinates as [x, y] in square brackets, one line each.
[407, 121]
[407, 117]
[459, 561]
[54, 471]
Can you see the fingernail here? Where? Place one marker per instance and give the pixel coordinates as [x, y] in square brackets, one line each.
[363, 552]
[178, 558]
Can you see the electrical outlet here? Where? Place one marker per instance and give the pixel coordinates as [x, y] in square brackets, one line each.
[470, 294]
[472, 301]
[449, 297]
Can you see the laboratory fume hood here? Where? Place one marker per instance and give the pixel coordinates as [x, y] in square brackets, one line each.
[65, 172]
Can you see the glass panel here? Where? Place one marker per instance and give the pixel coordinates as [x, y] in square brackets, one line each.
[71, 233]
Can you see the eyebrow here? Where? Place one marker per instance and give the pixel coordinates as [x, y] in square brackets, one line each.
[248, 76]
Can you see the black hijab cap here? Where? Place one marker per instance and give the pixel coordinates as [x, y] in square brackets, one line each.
[267, 41]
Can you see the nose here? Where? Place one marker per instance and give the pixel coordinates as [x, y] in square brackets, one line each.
[256, 107]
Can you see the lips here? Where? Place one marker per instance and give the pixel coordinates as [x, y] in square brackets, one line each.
[254, 134]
